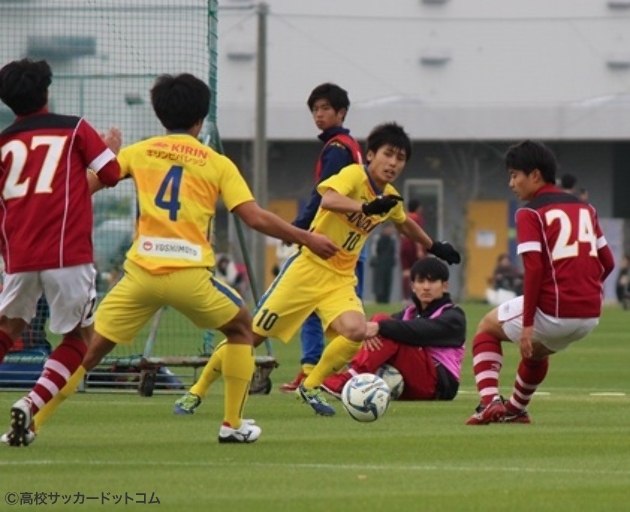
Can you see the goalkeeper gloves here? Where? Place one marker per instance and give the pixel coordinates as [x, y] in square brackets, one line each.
[446, 252]
[380, 205]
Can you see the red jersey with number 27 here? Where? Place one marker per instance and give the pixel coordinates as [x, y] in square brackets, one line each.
[45, 203]
[565, 255]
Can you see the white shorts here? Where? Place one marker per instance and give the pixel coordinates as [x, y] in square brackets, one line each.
[70, 293]
[554, 333]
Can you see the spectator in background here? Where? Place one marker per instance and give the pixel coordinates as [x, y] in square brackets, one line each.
[568, 184]
[227, 271]
[506, 282]
[622, 285]
[583, 195]
[283, 253]
[410, 251]
[383, 261]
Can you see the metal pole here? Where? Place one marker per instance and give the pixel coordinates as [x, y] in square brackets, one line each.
[260, 142]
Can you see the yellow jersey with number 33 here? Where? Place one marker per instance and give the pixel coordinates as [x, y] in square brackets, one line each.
[178, 182]
[350, 230]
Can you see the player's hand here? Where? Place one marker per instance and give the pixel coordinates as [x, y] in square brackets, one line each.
[373, 344]
[525, 341]
[371, 329]
[321, 245]
[113, 139]
[380, 205]
[445, 251]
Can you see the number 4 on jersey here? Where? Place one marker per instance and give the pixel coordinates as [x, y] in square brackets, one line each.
[585, 234]
[167, 197]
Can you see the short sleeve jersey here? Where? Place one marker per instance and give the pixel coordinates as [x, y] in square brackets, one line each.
[46, 206]
[566, 231]
[350, 230]
[178, 181]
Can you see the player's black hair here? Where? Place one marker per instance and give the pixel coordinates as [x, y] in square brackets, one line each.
[429, 268]
[24, 85]
[413, 204]
[389, 134]
[528, 156]
[568, 181]
[336, 96]
[180, 101]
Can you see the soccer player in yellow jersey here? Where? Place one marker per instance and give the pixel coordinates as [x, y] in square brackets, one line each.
[178, 181]
[354, 202]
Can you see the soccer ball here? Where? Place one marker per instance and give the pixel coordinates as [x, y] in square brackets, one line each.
[365, 397]
[393, 379]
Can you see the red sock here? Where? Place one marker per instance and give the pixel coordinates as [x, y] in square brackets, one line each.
[61, 364]
[528, 377]
[5, 344]
[487, 362]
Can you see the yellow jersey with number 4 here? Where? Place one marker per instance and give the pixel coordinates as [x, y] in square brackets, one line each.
[350, 230]
[178, 182]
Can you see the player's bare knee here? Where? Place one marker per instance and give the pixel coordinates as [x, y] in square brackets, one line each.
[540, 352]
[12, 326]
[239, 329]
[355, 332]
[489, 324]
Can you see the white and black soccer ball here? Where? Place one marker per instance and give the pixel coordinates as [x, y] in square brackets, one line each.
[365, 397]
[393, 379]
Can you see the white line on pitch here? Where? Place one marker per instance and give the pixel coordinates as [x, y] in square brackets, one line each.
[318, 466]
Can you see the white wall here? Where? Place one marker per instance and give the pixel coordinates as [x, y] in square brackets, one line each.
[515, 69]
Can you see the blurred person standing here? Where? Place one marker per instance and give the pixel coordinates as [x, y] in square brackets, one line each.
[383, 262]
[410, 251]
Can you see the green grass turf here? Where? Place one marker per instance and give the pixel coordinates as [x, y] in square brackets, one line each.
[419, 456]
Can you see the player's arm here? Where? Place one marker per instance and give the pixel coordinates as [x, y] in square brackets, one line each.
[604, 254]
[104, 170]
[447, 330]
[411, 230]
[529, 239]
[443, 250]
[270, 224]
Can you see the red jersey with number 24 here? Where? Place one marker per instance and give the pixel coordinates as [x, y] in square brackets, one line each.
[45, 203]
[565, 255]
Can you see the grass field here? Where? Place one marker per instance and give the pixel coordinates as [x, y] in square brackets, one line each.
[419, 457]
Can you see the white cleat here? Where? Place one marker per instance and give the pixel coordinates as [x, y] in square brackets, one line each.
[21, 421]
[246, 433]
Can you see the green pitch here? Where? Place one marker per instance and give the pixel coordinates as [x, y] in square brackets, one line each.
[419, 457]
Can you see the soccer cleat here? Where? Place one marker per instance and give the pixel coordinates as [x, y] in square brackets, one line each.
[316, 399]
[290, 387]
[187, 404]
[491, 413]
[21, 422]
[516, 417]
[30, 437]
[335, 383]
[246, 433]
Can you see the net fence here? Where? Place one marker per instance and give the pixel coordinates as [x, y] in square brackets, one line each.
[105, 55]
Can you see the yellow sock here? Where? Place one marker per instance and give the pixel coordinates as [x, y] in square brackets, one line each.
[238, 368]
[45, 412]
[211, 372]
[336, 355]
[307, 368]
